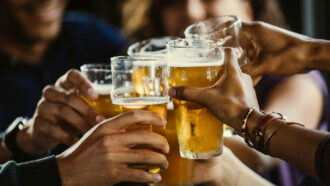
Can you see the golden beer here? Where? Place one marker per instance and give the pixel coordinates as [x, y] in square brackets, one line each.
[180, 170]
[103, 103]
[153, 104]
[200, 134]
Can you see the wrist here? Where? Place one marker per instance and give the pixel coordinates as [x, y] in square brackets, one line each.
[27, 144]
[66, 178]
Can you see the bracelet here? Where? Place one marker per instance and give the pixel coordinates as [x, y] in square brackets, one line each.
[245, 131]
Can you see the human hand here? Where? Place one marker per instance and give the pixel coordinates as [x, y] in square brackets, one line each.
[229, 98]
[103, 154]
[60, 116]
[274, 51]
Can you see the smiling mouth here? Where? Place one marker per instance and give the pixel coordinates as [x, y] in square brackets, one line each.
[46, 13]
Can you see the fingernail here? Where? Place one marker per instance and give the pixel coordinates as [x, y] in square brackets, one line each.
[172, 92]
[91, 93]
[158, 178]
[99, 119]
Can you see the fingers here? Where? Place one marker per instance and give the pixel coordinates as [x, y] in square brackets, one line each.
[141, 176]
[74, 80]
[142, 137]
[140, 156]
[123, 121]
[75, 102]
[186, 93]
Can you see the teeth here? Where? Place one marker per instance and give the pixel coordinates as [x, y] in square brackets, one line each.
[47, 8]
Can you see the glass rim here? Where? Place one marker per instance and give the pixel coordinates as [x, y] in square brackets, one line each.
[158, 52]
[94, 67]
[237, 21]
[140, 58]
[206, 43]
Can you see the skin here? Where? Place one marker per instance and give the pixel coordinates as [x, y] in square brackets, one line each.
[269, 54]
[284, 144]
[60, 116]
[102, 155]
[297, 90]
[27, 27]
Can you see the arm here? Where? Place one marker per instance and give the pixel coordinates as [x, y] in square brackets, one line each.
[272, 48]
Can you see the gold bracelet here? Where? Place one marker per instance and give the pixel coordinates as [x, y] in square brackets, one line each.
[245, 131]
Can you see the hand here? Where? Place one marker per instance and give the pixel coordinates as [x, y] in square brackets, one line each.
[73, 80]
[229, 98]
[273, 50]
[103, 154]
[60, 116]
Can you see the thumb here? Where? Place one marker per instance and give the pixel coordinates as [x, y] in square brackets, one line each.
[186, 93]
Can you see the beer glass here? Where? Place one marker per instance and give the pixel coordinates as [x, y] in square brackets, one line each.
[140, 83]
[196, 63]
[180, 170]
[223, 27]
[100, 77]
[154, 46]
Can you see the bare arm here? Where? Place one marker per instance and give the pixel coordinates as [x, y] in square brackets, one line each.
[277, 51]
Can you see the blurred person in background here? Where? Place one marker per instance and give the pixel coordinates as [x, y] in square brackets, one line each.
[38, 43]
[301, 98]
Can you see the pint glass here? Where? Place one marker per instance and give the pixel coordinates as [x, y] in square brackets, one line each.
[100, 77]
[223, 27]
[196, 63]
[180, 170]
[140, 83]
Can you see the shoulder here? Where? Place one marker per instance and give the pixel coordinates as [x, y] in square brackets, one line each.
[90, 28]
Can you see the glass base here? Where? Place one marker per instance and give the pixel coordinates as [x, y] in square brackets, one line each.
[164, 184]
[200, 156]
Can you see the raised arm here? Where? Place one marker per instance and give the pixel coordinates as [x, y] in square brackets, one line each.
[277, 51]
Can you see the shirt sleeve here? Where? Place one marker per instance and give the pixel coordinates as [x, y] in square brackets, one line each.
[38, 173]
[322, 160]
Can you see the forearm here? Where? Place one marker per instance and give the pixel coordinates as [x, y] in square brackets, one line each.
[292, 143]
[318, 55]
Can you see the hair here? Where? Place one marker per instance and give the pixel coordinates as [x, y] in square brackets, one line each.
[141, 18]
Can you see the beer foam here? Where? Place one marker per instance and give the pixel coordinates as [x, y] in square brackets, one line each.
[195, 63]
[140, 101]
[102, 89]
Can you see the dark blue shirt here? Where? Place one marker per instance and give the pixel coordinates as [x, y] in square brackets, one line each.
[83, 39]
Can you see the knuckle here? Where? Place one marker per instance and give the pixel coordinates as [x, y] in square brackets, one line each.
[47, 90]
[72, 73]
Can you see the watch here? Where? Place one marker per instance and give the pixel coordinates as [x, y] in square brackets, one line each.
[11, 143]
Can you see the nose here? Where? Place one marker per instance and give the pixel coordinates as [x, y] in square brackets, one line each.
[195, 11]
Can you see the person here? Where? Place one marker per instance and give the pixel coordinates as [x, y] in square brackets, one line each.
[101, 157]
[306, 148]
[280, 94]
[39, 43]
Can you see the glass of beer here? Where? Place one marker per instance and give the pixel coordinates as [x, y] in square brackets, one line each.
[140, 83]
[100, 77]
[196, 63]
[223, 27]
[180, 170]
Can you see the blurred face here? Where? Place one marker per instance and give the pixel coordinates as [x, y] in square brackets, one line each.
[36, 20]
[178, 14]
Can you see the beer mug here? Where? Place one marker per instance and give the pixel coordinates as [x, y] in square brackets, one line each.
[140, 83]
[227, 28]
[196, 63]
[100, 77]
[180, 170]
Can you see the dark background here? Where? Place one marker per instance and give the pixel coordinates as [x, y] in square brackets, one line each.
[309, 17]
